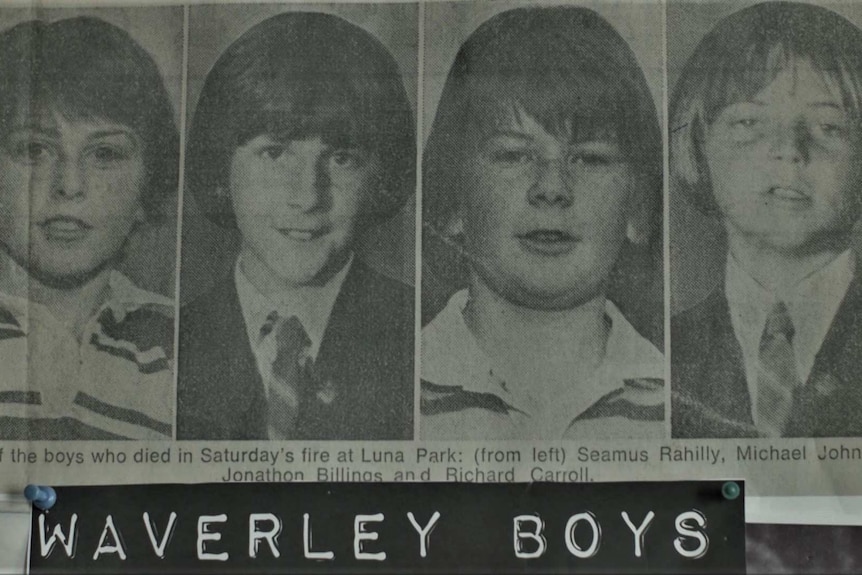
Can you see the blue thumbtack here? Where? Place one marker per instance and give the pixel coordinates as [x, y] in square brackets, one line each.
[730, 490]
[41, 496]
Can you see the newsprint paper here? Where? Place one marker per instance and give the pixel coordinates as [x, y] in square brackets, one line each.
[436, 241]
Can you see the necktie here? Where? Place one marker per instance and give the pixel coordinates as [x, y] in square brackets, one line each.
[291, 375]
[777, 378]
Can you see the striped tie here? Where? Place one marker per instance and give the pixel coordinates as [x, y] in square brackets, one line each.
[777, 378]
[291, 375]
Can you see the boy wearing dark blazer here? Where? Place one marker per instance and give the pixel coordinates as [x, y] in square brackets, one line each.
[302, 139]
[766, 136]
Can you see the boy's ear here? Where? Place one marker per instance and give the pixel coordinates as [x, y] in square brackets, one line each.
[639, 227]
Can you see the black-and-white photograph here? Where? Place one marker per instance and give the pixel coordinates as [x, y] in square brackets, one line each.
[542, 218]
[89, 162]
[765, 156]
[298, 233]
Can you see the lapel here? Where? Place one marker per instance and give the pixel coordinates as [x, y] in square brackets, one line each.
[219, 378]
[364, 367]
[345, 326]
[830, 402]
[341, 363]
[365, 363]
[711, 391]
[726, 365]
[712, 375]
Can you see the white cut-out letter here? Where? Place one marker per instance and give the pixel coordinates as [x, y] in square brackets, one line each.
[306, 542]
[360, 535]
[46, 547]
[687, 530]
[424, 532]
[573, 546]
[639, 532]
[536, 535]
[117, 542]
[204, 535]
[271, 536]
[160, 546]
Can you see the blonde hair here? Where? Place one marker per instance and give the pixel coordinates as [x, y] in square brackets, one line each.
[740, 57]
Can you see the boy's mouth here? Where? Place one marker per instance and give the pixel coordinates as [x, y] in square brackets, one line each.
[788, 194]
[548, 241]
[65, 228]
[303, 234]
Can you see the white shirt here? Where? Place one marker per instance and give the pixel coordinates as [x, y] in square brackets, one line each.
[312, 306]
[452, 360]
[117, 380]
[812, 304]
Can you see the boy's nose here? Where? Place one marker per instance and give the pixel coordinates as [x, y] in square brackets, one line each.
[551, 186]
[790, 144]
[307, 182]
[68, 179]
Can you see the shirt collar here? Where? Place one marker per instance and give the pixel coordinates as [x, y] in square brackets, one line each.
[14, 280]
[312, 306]
[812, 302]
[123, 295]
[829, 282]
[450, 353]
[127, 297]
[452, 356]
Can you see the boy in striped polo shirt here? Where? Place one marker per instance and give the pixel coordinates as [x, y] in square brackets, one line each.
[88, 155]
[544, 157]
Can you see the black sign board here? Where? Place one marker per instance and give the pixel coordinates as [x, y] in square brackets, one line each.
[662, 527]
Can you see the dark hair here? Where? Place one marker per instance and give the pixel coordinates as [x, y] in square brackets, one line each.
[565, 67]
[85, 68]
[740, 57]
[301, 74]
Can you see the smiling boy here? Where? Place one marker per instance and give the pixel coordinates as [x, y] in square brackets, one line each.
[300, 145]
[85, 353]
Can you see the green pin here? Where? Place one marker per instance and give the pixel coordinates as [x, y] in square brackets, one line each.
[730, 490]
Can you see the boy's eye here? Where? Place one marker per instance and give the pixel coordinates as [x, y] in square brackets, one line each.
[273, 152]
[594, 155]
[744, 128]
[509, 158]
[830, 130]
[745, 122]
[31, 151]
[350, 159]
[106, 154]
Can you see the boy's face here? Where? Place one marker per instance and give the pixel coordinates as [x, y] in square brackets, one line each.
[70, 194]
[298, 206]
[545, 219]
[784, 167]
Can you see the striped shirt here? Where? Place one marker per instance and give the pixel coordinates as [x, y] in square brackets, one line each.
[462, 398]
[115, 383]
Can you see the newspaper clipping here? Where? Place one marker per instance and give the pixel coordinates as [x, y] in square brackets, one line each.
[439, 241]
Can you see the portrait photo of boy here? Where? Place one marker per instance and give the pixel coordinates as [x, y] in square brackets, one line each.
[301, 142]
[89, 157]
[766, 140]
[543, 165]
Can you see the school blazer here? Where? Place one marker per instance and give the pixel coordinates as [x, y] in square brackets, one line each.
[365, 358]
[710, 394]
